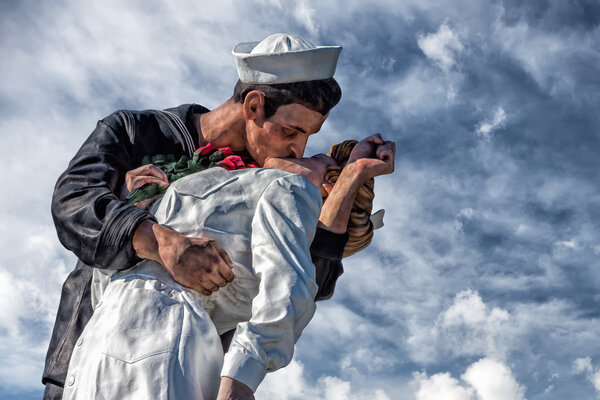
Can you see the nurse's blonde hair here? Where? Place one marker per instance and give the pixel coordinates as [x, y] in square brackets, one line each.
[360, 227]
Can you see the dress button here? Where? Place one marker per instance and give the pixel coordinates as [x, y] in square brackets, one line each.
[80, 341]
[71, 380]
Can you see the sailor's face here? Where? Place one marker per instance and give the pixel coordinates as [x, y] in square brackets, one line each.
[284, 134]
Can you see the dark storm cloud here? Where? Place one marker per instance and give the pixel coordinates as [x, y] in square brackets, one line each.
[553, 15]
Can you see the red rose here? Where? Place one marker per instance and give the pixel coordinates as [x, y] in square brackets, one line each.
[226, 151]
[206, 150]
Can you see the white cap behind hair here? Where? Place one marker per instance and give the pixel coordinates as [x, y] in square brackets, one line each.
[284, 58]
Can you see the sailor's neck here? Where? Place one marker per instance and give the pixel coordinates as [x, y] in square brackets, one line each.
[224, 126]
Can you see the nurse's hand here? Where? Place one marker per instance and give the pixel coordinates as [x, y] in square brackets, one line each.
[231, 389]
[149, 173]
[138, 177]
[381, 163]
[366, 147]
[373, 156]
[197, 263]
[369, 158]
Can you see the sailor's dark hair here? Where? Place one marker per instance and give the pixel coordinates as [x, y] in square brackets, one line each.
[319, 95]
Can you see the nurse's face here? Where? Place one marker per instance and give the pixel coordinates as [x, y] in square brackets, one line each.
[312, 168]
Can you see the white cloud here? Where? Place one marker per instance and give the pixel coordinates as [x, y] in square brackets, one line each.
[468, 309]
[486, 129]
[492, 380]
[441, 47]
[567, 244]
[464, 214]
[336, 389]
[24, 308]
[486, 379]
[468, 327]
[347, 322]
[29, 298]
[548, 56]
[441, 386]
[583, 364]
[289, 383]
[596, 381]
[305, 15]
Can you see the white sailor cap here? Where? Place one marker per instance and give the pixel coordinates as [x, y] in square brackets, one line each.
[284, 58]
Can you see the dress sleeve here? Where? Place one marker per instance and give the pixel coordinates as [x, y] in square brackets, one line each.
[90, 219]
[327, 250]
[282, 229]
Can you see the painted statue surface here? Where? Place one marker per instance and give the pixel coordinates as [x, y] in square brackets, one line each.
[157, 329]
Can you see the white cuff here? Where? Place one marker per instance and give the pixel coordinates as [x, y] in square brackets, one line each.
[243, 367]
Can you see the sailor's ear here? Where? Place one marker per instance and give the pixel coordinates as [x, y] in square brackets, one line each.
[254, 105]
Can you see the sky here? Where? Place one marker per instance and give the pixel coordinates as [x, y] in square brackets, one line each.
[482, 285]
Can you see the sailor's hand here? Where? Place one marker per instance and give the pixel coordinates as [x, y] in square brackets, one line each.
[231, 389]
[197, 263]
